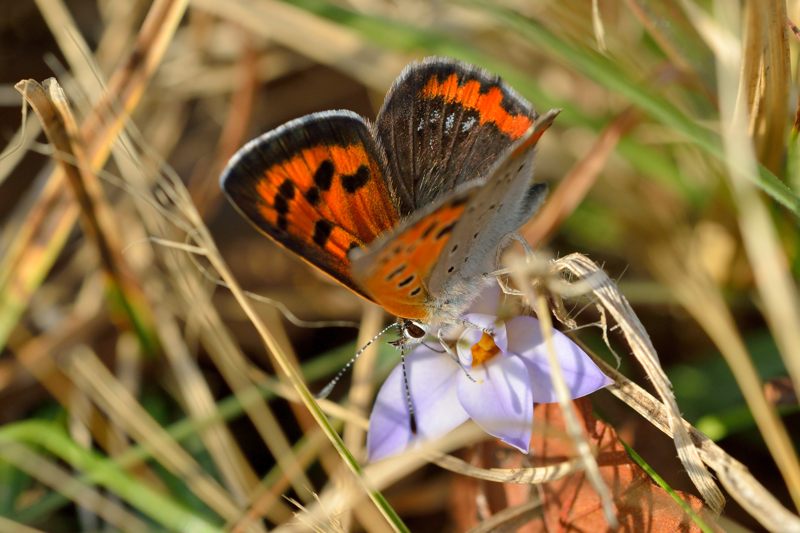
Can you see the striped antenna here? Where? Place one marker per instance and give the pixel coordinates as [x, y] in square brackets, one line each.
[412, 419]
[326, 391]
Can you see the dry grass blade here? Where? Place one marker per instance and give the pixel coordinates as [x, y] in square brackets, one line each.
[198, 399]
[199, 402]
[360, 395]
[523, 476]
[16, 149]
[93, 377]
[779, 292]
[6, 524]
[266, 501]
[33, 251]
[678, 39]
[203, 185]
[639, 341]
[765, 79]
[588, 461]
[694, 290]
[598, 27]
[50, 104]
[362, 389]
[510, 518]
[74, 48]
[233, 366]
[326, 42]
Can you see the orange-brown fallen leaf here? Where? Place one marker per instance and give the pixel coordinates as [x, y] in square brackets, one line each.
[570, 504]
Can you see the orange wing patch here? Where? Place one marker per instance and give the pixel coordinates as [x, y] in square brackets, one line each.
[489, 104]
[316, 186]
[401, 267]
[328, 196]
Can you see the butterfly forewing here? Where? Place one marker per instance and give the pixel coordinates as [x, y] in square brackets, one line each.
[317, 186]
[444, 123]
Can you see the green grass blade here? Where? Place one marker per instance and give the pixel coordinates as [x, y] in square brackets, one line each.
[107, 473]
[697, 519]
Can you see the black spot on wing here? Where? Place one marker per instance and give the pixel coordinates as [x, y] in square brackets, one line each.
[287, 189]
[395, 272]
[352, 182]
[281, 205]
[323, 177]
[322, 231]
[406, 281]
[445, 230]
[428, 230]
[282, 223]
[312, 195]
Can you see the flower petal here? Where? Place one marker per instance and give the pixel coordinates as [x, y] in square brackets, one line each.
[432, 384]
[501, 401]
[580, 373]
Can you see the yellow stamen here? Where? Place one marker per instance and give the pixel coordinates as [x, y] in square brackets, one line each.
[483, 350]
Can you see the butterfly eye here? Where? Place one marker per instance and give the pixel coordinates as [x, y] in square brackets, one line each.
[413, 330]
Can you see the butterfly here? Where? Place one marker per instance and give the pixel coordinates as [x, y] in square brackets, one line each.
[411, 211]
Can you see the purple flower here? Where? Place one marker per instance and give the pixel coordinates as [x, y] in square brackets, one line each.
[495, 382]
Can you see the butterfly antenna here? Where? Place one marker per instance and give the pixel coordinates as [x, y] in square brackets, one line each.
[326, 391]
[412, 419]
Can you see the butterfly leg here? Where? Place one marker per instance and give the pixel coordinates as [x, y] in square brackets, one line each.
[467, 324]
[504, 286]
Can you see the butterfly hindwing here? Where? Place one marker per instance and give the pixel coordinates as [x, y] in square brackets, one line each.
[395, 269]
[507, 199]
[316, 185]
[445, 123]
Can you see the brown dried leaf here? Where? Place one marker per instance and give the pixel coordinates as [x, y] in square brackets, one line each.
[570, 503]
